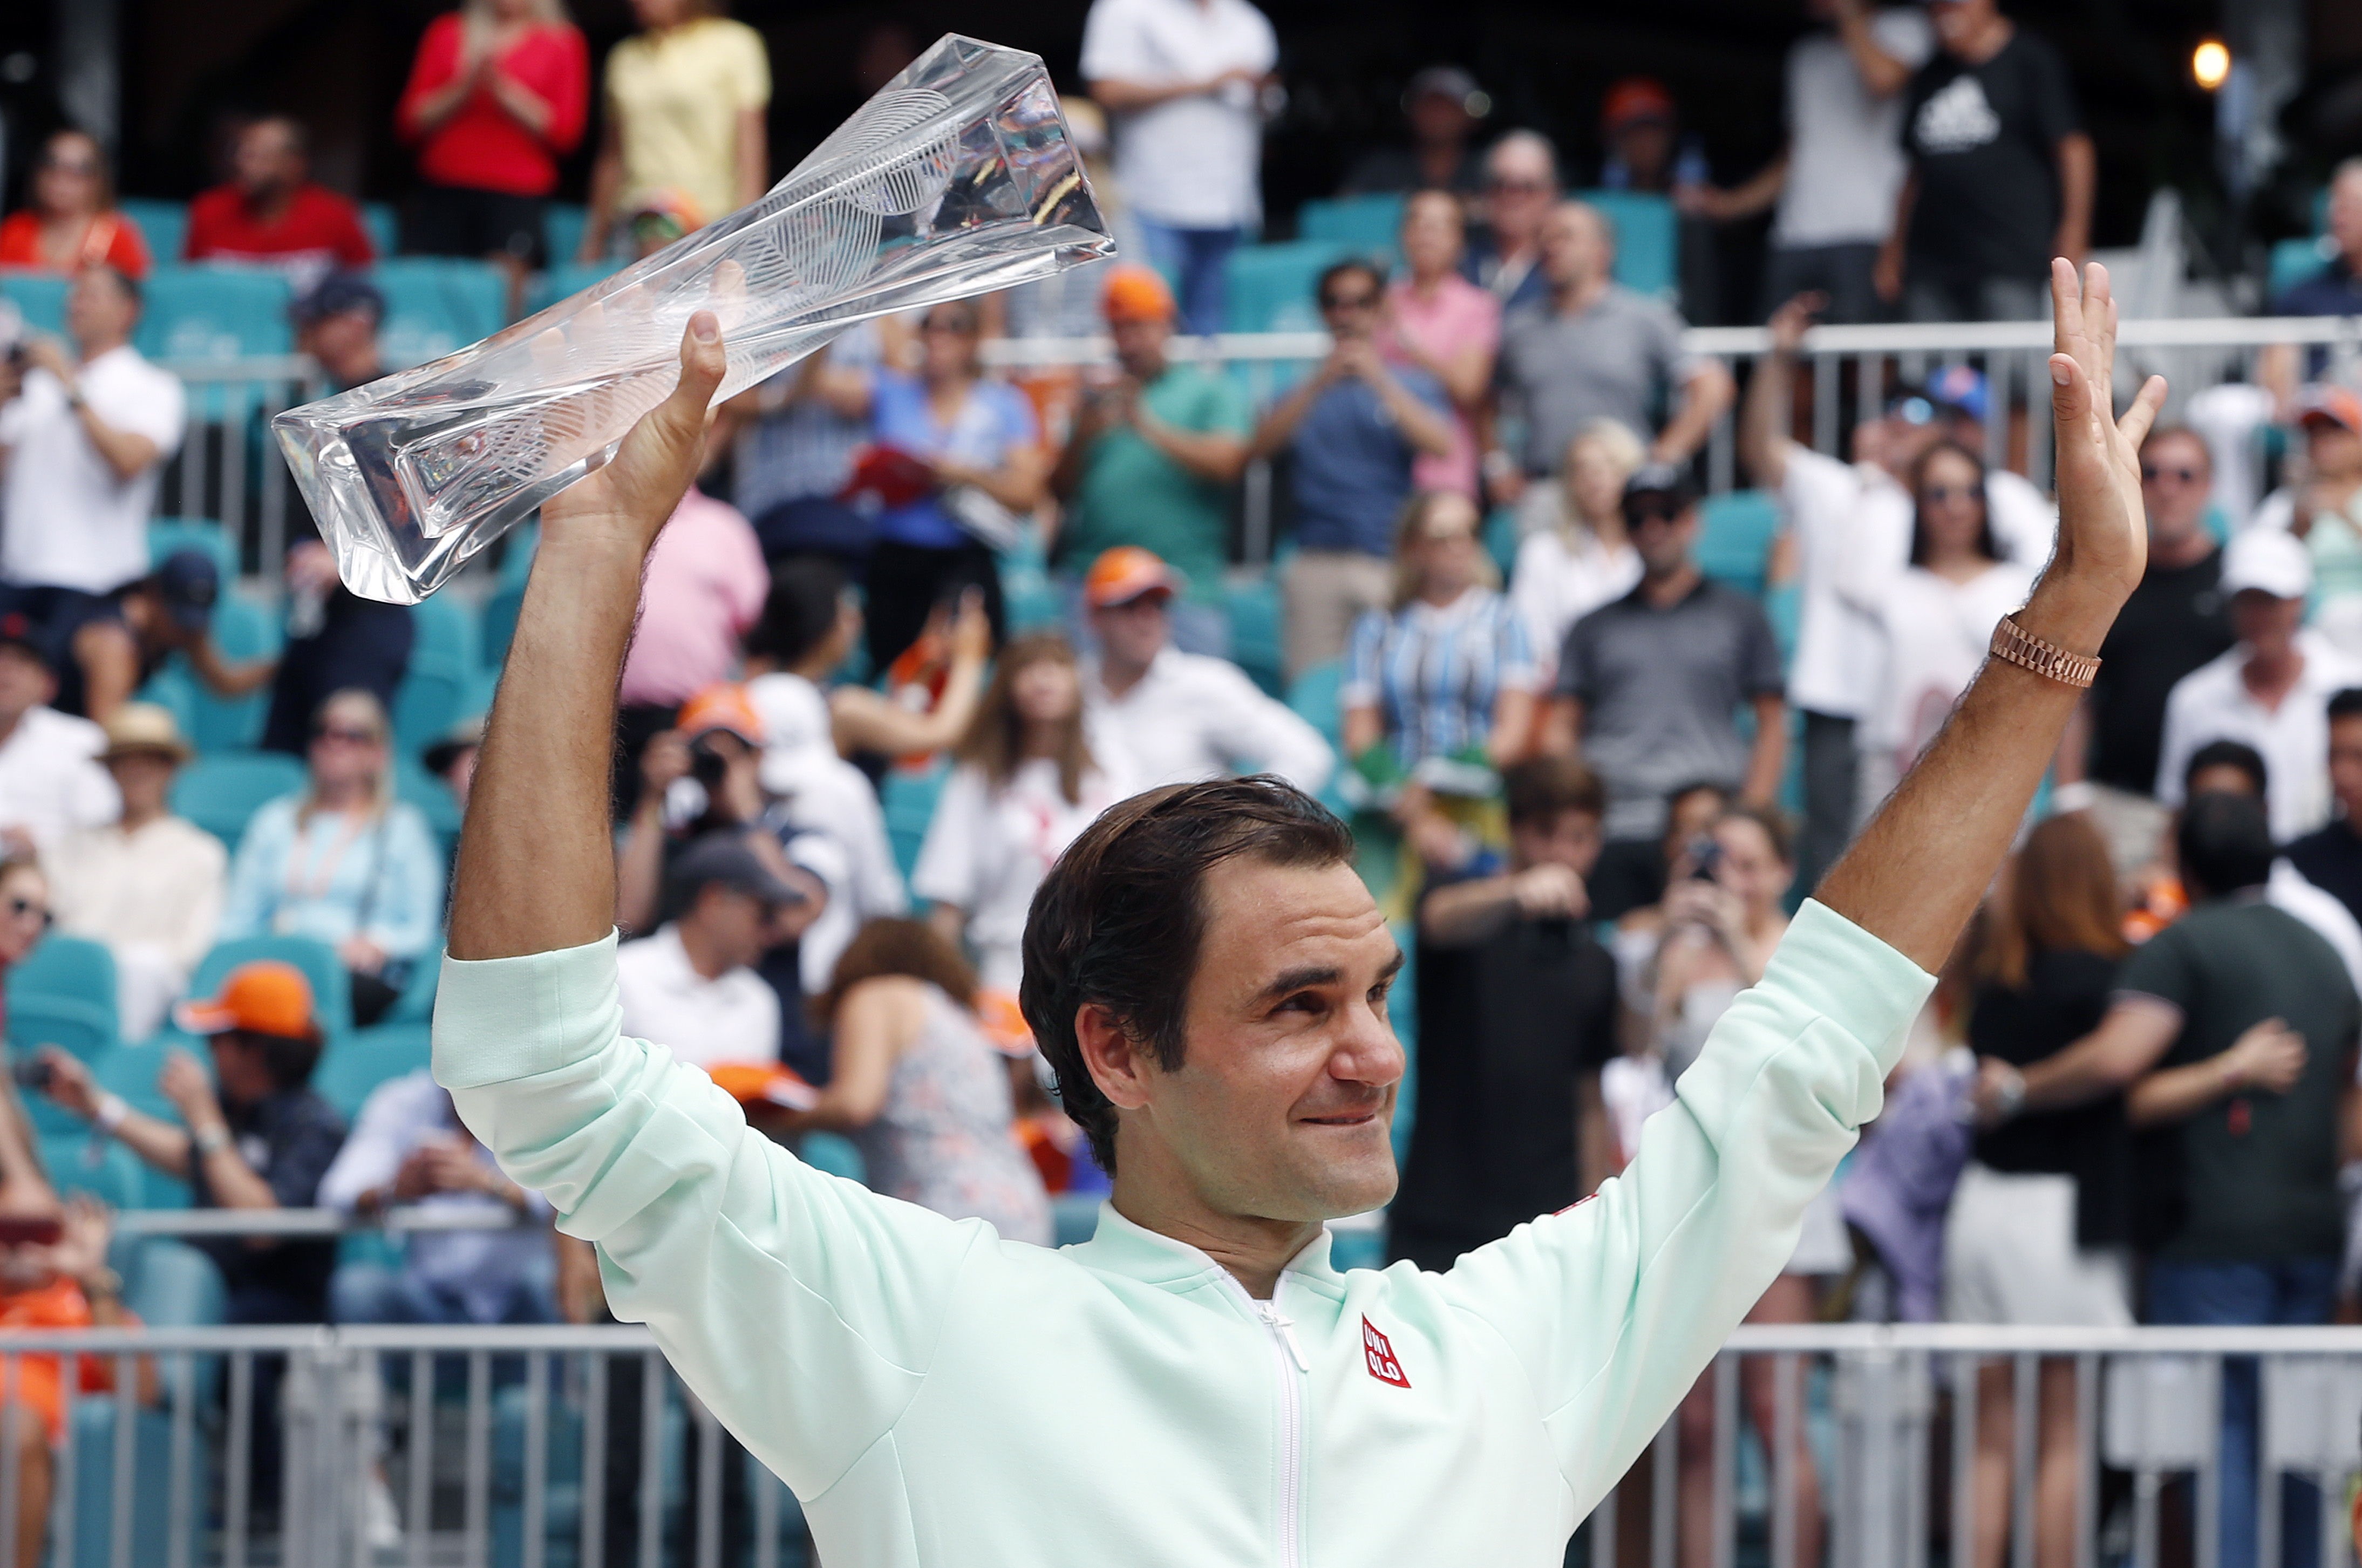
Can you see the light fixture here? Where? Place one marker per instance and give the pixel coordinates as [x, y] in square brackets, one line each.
[2210, 65]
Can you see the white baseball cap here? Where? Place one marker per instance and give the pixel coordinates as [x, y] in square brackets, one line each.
[2268, 560]
[797, 742]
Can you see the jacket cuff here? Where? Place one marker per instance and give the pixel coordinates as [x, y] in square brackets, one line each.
[1828, 965]
[499, 1018]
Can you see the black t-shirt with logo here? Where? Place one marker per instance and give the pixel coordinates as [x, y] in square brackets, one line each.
[1506, 1028]
[2175, 621]
[1983, 140]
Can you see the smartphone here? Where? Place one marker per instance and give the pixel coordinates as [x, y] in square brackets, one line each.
[31, 1073]
[1705, 859]
[29, 1230]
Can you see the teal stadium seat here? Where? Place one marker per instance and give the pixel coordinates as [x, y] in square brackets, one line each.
[77, 1163]
[332, 988]
[437, 305]
[1734, 541]
[1270, 286]
[1647, 240]
[163, 225]
[72, 967]
[384, 227]
[2295, 260]
[221, 793]
[1314, 697]
[567, 279]
[1372, 223]
[908, 801]
[500, 624]
[216, 314]
[416, 1003]
[169, 535]
[445, 677]
[562, 224]
[83, 1029]
[516, 548]
[354, 1065]
[414, 784]
[39, 298]
[1254, 614]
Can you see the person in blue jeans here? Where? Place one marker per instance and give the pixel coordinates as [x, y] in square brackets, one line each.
[2232, 1033]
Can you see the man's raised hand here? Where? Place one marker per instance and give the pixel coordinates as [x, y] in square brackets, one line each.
[626, 501]
[2103, 532]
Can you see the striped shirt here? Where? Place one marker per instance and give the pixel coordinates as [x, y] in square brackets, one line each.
[1435, 672]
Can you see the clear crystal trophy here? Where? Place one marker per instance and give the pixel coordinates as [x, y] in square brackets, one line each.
[959, 177]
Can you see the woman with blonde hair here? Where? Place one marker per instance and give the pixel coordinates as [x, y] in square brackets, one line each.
[918, 1086]
[72, 221]
[686, 97]
[1573, 556]
[2041, 1223]
[1027, 779]
[343, 861]
[496, 96]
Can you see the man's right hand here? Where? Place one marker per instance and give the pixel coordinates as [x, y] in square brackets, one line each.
[626, 502]
[1550, 891]
[664, 761]
[2270, 1056]
[1793, 320]
[70, 1083]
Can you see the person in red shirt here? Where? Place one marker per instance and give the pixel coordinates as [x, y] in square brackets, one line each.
[271, 213]
[72, 222]
[497, 94]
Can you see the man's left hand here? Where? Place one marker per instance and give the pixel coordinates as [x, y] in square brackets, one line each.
[183, 1082]
[46, 353]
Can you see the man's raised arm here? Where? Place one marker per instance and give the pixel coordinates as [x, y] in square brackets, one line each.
[536, 868]
[1914, 876]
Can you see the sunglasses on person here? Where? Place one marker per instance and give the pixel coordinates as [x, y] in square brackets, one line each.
[2152, 472]
[1361, 299]
[1520, 187]
[346, 735]
[83, 166]
[1639, 513]
[1937, 494]
[957, 325]
[21, 907]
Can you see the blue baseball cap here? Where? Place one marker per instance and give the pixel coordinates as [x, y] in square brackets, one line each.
[1963, 388]
[187, 584]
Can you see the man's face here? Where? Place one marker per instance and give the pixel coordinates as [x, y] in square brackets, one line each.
[241, 1071]
[1133, 633]
[267, 160]
[24, 911]
[1438, 117]
[1662, 536]
[737, 924]
[1349, 304]
[2177, 483]
[2264, 622]
[2346, 767]
[1575, 248]
[1520, 186]
[1959, 22]
[1140, 344]
[1646, 146]
[1570, 839]
[344, 341]
[2335, 452]
[1283, 1104]
[25, 682]
[144, 777]
[99, 308]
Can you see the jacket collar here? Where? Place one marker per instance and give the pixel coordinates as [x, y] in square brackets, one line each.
[1134, 1252]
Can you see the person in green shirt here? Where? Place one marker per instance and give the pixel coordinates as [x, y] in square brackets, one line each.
[1152, 458]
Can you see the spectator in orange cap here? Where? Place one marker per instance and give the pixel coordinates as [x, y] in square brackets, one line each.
[1637, 122]
[261, 1140]
[1152, 457]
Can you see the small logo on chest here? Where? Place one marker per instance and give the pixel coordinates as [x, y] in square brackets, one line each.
[1379, 1357]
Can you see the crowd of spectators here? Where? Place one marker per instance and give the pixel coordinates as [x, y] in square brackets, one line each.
[1567, 776]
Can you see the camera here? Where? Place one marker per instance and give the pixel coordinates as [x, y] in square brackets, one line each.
[1705, 858]
[31, 1073]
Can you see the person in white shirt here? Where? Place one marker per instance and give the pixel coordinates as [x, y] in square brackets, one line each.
[51, 781]
[1184, 81]
[148, 884]
[1846, 518]
[1937, 614]
[2271, 691]
[692, 983]
[1181, 717]
[1574, 555]
[1029, 779]
[1835, 183]
[83, 436]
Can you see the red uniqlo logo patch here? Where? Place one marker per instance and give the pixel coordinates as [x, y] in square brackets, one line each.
[1379, 1357]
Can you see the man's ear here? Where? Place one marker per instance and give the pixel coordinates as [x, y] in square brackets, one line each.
[1117, 1062]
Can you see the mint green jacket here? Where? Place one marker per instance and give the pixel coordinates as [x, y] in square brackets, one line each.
[938, 1395]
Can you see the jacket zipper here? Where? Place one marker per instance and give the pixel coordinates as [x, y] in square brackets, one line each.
[1289, 1358]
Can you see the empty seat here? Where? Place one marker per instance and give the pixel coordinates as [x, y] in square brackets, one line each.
[169, 535]
[565, 279]
[382, 226]
[355, 1063]
[105, 1169]
[500, 624]
[222, 791]
[1254, 631]
[1270, 286]
[562, 224]
[1371, 222]
[1735, 538]
[445, 681]
[1647, 240]
[908, 801]
[70, 967]
[39, 297]
[436, 306]
[163, 225]
[433, 798]
[215, 312]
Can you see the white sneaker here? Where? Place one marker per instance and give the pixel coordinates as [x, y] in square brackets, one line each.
[381, 1521]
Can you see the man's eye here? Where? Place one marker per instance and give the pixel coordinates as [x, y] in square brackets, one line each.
[1302, 1001]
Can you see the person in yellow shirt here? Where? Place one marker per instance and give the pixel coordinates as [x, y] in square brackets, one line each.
[685, 103]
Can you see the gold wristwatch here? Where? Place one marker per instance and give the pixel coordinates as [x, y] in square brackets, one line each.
[2015, 644]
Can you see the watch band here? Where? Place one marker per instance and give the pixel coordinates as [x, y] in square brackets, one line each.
[2013, 644]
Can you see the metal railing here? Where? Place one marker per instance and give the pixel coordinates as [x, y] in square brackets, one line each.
[228, 469]
[576, 1448]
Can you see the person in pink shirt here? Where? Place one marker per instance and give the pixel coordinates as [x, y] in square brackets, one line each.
[705, 588]
[1446, 325]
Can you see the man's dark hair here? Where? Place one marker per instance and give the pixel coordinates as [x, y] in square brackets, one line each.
[2225, 845]
[1336, 269]
[1120, 917]
[2346, 704]
[2229, 754]
[799, 613]
[1542, 790]
[289, 1059]
[123, 281]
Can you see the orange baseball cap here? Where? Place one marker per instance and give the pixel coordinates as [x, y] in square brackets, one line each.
[1123, 574]
[266, 996]
[1136, 293]
[1003, 1021]
[1634, 99]
[2338, 405]
[723, 707]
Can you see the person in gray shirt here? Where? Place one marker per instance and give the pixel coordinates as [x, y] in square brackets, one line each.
[1649, 686]
[1591, 350]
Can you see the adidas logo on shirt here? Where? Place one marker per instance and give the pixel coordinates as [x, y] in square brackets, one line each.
[1957, 118]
